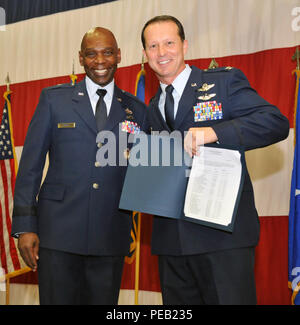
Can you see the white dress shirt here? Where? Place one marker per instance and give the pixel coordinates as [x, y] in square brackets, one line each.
[179, 85]
[92, 87]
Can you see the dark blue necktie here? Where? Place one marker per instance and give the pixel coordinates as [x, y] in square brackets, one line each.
[169, 107]
[101, 111]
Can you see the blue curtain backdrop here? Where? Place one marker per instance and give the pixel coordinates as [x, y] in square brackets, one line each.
[17, 10]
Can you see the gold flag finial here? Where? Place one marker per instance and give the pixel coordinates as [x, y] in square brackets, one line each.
[296, 57]
[73, 75]
[213, 64]
[7, 80]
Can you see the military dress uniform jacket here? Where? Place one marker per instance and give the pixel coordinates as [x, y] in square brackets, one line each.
[243, 119]
[76, 208]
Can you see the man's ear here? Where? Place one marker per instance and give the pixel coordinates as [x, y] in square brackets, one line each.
[185, 46]
[144, 54]
[80, 58]
[119, 55]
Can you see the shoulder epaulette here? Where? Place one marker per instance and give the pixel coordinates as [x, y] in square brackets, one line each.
[61, 86]
[218, 69]
[151, 100]
[132, 96]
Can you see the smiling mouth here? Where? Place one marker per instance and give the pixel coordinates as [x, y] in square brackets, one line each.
[101, 72]
[164, 62]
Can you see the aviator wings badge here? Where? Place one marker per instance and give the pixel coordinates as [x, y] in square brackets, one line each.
[206, 87]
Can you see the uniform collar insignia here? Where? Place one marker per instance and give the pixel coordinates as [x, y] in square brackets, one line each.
[128, 111]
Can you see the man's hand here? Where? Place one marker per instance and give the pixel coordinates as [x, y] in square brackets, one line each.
[28, 244]
[197, 137]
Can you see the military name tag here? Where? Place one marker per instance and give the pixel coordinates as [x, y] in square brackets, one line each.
[66, 125]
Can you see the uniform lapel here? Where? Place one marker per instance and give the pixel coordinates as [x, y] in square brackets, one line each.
[189, 96]
[82, 105]
[83, 108]
[157, 116]
[117, 110]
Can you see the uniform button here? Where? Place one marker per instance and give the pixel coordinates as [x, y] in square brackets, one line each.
[97, 164]
[95, 186]
[99, 144]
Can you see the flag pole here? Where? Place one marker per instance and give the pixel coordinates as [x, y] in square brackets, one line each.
[8, 91]
[7, 81]
[73, 75]
[296, 57]
[293, 258]
[138, 232]
[137, 261]
[13, 274]
[213, 64]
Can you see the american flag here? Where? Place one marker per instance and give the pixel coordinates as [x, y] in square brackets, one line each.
[10, 260]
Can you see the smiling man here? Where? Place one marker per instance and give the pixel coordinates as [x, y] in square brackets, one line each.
[165, 50]
[74, 234]
[198, 264]
[99, 55]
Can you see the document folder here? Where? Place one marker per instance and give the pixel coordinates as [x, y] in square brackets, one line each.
[157, 185]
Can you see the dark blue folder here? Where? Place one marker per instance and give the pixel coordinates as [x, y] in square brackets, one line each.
[160, 188]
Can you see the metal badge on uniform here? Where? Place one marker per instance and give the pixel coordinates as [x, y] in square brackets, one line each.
[126, 153]
[129, 114]
[130, 127]
[66, 125]
[128, 111]
[206, 87]
[207, 96]
[208, 111]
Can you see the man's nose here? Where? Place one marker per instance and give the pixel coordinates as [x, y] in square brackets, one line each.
[161, 50]
[99, 58]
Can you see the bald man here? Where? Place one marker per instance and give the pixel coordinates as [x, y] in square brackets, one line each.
[70, 229]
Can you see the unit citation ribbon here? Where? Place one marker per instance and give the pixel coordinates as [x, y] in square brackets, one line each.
[208, 111]
[130, 127]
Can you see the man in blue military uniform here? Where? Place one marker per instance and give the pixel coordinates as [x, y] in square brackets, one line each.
[74, 232]
[198, 264]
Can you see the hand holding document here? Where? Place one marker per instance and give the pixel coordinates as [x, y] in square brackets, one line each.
[213, 185]
[197, 137]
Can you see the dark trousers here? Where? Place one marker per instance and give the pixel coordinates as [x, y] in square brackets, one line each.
[71, 279]
[218, 278]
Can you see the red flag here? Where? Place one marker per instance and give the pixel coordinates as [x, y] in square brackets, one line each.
[10, 261]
